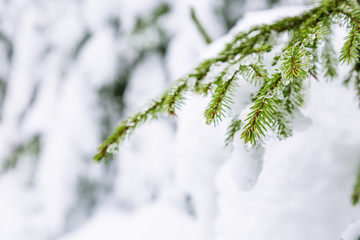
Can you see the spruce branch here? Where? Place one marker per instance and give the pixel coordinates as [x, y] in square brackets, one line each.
[176, 97]
[233, 128]
[357, 86]
[263, 112]
[168, 102]
[353, 78]
[291, 100]
[294, 96]
[295, 63]
[351, 12]
[281, 125]
[244, 43]
[221, 100]
[329, 60]
[256, 73]
[356, 191]
[350, 49]
[222, 97]
[199, 26]
[280, 95]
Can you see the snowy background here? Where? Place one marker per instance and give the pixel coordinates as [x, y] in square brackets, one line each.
[70, 71]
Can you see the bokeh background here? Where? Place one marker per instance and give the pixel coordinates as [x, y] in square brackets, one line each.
[71, 70]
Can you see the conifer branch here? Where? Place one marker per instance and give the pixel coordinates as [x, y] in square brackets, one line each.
[221, 100]
[281, 95]
[294, 64]
[263, 112]
[294, 96]
[281, 125]
[356, 191]
[233, 128]
[243, 45]
[200, 27]
[353, 78]
[169, 102]
[350, 11]
[256, 73]
[350, 49]
[291, 100]
[357, 86]
[329, 60]
[176, 97]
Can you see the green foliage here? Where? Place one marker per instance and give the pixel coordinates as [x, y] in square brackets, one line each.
[3, 86]
[263, 111]
[85, 39]
[199, 26]
[294, 65]
[353, 78]
[143, 23]
[8, 44]
[255, 73]
[356, 191]
[31, 147]
[168, 102]
[350, 50]
[282, 87]
[329, 60]
[233, 128]
[350, 13]
[222, 97]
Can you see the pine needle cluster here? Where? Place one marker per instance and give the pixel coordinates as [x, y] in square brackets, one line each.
[282, 87]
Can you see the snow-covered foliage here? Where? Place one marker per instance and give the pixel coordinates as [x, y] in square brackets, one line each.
[71, 70]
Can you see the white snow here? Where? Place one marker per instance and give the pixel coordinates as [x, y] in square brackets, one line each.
[352, 232]
[157, 221]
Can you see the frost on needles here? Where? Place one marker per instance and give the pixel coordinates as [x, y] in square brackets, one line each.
[307, 53]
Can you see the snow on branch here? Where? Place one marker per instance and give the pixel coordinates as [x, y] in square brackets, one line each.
[282, 86]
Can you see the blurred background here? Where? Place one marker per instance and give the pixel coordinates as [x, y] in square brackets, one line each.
[70, 71]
